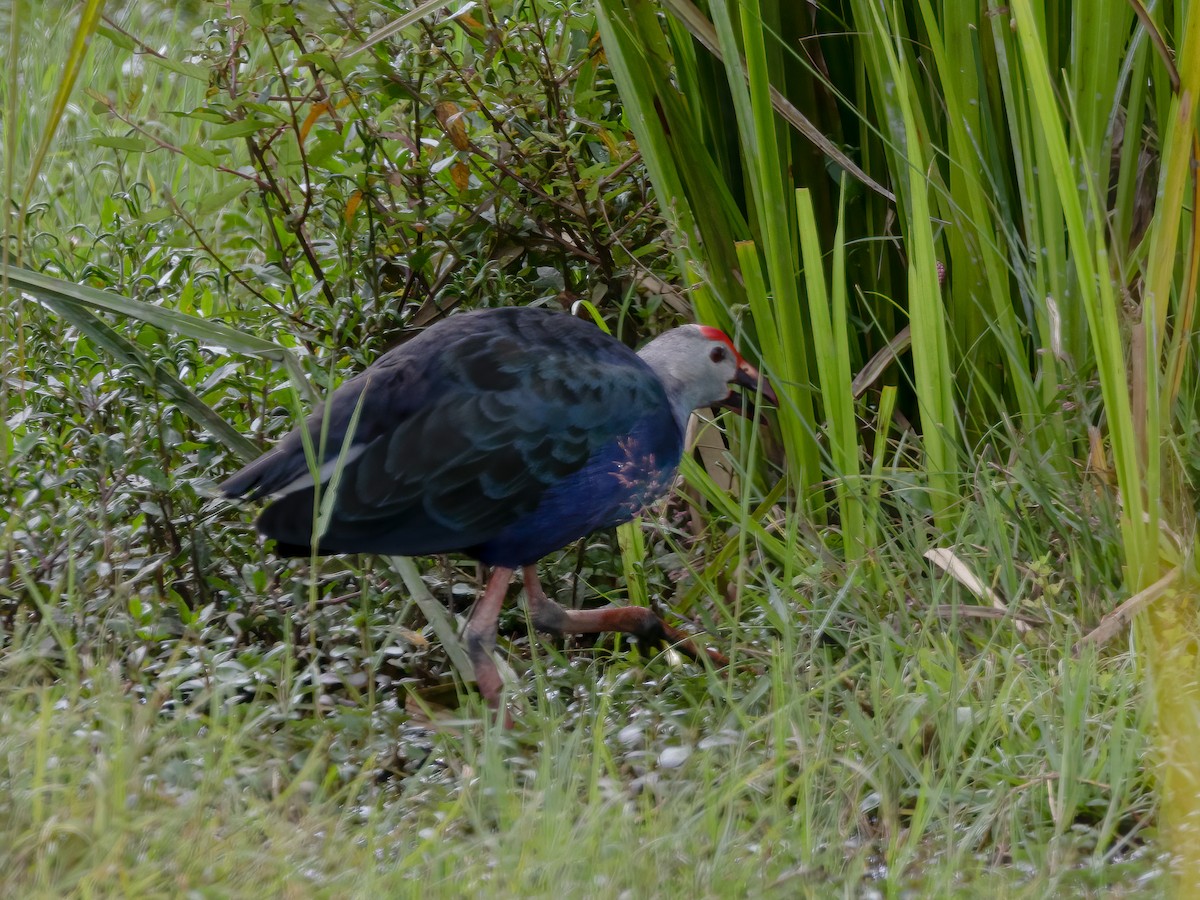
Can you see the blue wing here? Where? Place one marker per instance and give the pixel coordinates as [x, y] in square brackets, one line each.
[473, 436]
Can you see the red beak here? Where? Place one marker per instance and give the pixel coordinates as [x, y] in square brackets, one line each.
[749, 378]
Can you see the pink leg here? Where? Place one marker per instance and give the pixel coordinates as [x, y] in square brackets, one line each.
[548, 616]
[481, 636]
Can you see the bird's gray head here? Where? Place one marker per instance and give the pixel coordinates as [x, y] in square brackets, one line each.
[697, 364]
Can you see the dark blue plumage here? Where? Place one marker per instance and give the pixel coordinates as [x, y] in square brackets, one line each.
[499, 433]
[504, 434]
[611, 487]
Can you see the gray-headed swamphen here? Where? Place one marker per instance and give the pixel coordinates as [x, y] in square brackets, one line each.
[503, 434]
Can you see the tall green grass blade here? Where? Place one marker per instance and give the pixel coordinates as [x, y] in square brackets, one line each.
[1090, 258]
[435, 614]
[987, 330]
[729, 507]
[1128, 192]
[790, 385]
[702, 29]
[633, 562]
[1175, 660]
[1178, 139]
[1097, 39]
[89, 18]
[1180, 353]
[127, 354]
[827, 309]
[934, 378]
[325, 495]
[63, 293]
[785, 341]
[873, 513]
[697, 202]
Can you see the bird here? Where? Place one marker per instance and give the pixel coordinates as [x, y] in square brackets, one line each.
[501, 434]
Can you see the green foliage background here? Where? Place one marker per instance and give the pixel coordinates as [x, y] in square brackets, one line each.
[958, 237]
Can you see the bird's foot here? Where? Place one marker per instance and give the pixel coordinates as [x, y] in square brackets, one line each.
[638, 621]
[487, 676]
[480, 639]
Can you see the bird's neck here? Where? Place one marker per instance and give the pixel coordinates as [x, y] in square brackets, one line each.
[681, 405]
[680, 395]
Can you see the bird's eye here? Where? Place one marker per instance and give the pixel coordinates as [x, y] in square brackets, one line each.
[717, 354]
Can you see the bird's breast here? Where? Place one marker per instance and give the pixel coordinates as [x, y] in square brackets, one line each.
[619, 480]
